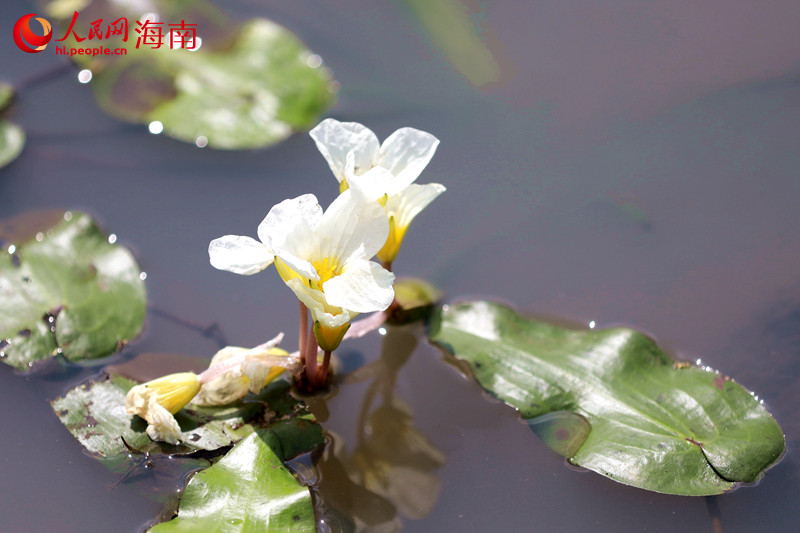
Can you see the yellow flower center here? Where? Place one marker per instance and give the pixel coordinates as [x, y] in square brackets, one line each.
[326, 268]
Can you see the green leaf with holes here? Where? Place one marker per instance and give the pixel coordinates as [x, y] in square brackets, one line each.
[95, 415]
[223, 84]
[640, 418]
[248, 490]
[64, 288]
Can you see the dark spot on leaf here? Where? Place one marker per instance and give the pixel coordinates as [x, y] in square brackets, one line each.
[478, 364]
[562, 434]
[62, 413]
[194, 437]
[719, 381]
[296, 518]
[4, 343]
[26, 279]
[24, 333]
[50, 318]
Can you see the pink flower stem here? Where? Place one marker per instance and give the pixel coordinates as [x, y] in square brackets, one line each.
[301, 343]
[323, 373]
[310, 358]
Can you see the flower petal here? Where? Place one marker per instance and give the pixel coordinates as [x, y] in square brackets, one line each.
[290, 222]
[161, 425]
[406, 153]
[226, 388]
[351, 223]
[330, 316]
[239, 254]
[364, 287]
[374, 184]
[335, 139]
[143, 400]
[413, 199]
[260, 374]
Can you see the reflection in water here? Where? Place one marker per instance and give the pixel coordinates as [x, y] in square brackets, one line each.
[392, 470]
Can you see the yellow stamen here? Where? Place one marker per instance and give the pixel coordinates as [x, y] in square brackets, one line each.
[326, 269]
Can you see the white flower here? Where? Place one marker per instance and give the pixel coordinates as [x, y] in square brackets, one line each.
[405, 153]
[384, 172]
[156, 401]
[235, 371]
[324, 258]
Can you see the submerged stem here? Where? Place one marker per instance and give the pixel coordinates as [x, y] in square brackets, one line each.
[323, 373]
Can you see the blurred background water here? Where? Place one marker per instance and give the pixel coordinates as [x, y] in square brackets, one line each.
[623, 162]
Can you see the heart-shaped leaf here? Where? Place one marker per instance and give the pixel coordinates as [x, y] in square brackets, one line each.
[655, 424]
[248, 490]
[66, 289]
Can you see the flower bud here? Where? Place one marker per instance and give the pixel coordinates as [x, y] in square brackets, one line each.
[156, 401]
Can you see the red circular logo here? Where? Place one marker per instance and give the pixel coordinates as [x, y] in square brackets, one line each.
[29, 41]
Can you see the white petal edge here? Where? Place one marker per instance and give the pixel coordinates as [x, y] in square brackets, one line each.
[404, 207]
[239, 254]
[162, 426]
[290, 224]
[406, 153]
[335, 139]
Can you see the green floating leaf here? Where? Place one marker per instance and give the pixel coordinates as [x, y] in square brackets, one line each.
[562, 431]
[246, 85]
[248, 490]
[12, 137]
[655, 424]
[6, 95]
[12, 140]
[415, 297]
[68, 290]
[95, 415]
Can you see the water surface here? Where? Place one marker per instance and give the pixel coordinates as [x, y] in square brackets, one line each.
[624, 163]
